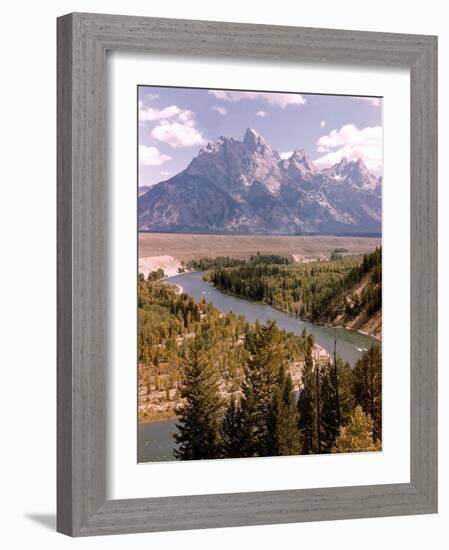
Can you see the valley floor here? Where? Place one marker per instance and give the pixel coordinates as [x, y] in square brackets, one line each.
[185, 247]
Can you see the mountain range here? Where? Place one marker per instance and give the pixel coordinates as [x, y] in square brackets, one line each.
[234, 186]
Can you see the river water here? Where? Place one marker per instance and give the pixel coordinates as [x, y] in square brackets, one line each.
[155, 440]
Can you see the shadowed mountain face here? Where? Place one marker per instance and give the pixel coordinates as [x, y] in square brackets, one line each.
[245, 187]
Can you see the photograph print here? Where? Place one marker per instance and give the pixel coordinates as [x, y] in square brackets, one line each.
[259, 274]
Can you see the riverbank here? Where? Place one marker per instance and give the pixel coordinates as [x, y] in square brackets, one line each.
[169, 264]
[374, 334]
[157, 417]
[158, 402]
[371, 326]
[349, 341]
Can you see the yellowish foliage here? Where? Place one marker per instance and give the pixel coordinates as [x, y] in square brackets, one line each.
[357, 436]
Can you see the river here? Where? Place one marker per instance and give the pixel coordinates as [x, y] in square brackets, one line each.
[155, 439]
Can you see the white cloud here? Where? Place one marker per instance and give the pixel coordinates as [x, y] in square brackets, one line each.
[151, 97]
[164, 173]
[148, 114]
[352, 143]
[322, 124]
[177, 135]
[286, 155]
[174, 126]
[262, 114]
[151, 156]
[375, 101]
[219, 110]
[280, 100]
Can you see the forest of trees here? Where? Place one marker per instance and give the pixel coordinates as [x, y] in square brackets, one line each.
[229, 383]
[337, 409]
[318, 291]
[205, 264]
[173, 328]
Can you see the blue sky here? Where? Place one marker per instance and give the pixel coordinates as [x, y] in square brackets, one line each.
[174, 123]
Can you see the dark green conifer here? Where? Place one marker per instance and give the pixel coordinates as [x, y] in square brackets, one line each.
[367, 387]
[260, 378]
[231, 430]
[306, 402]
[330, 420]
[283, 436]
[199, 417]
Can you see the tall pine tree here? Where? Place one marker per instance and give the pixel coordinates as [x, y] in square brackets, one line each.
[260, 377]
[331, 420]
[231, 430]
[199, 416]
[307, 401]
[368, 387]
[283, 436]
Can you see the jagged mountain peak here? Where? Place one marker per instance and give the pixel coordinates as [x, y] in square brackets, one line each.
[339, 167]
[245, 186]
[299, 154]
[217, 145]
[301, 160]
[252, 138]
[352, 171]
[255, 142]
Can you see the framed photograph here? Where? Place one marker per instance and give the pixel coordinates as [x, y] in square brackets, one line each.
[247, 274]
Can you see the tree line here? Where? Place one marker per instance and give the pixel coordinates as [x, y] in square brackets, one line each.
[218, 262]
[318, 291]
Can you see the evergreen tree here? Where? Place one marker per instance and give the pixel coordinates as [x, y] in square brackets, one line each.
[283, 436]
[199, 416]
[367, 387]
[306, 402]
[260, 377]
[231, 430]
[329, 418]
[357, 436]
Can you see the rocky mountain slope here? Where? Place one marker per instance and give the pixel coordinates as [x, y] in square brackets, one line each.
[245, 186]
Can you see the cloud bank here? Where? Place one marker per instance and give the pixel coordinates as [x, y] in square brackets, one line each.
[352, 143]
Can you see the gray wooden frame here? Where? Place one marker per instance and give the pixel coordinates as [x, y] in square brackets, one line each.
[83, 40]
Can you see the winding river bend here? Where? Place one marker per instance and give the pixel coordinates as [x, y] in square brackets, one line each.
[155, 441]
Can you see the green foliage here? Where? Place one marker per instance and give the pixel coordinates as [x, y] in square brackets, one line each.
[274, 259]
[231, 430]
[367, 387]
[330, 419]
[357, 436]
[283, 436]
[307, 404]
[260, 378]
[199, 416]
[337, 254]
[172, 326]
[205, 264]
[156, 275]
[313, 291]
[231, 381]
